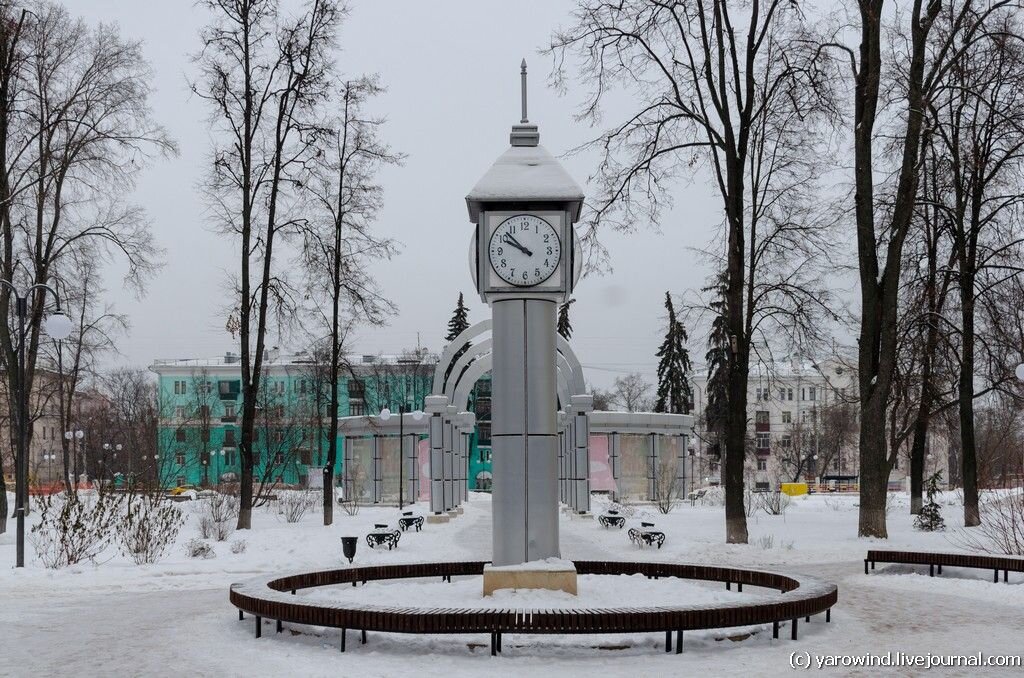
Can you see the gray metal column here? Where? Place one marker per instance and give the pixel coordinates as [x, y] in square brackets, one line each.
[378, 470]
[563, 496]
[581, 407]
[449, 457]
[652, 467]
[524, 432]
[613, 461]
[681, 473]
[435, 406]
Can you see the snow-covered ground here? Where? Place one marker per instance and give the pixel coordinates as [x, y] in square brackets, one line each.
[173, 618]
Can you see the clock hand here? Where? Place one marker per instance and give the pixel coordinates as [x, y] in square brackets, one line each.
[511, 240]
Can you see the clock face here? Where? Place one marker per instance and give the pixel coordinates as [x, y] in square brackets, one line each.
[524, 250]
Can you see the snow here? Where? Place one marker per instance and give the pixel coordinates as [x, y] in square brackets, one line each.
[595, 591]
[547, 564]
[174, 617]
[524, 173]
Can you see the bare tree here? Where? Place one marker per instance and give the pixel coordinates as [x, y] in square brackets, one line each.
[632, 393]
[884, 207]
[339, 244]
[978, 113]
[734, 88]
[75, 129]
[265, 77]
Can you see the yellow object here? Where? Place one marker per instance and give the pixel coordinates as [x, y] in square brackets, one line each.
[794, 489]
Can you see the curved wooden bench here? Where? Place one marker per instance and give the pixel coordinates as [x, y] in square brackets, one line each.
[797, 597]
[973, 560]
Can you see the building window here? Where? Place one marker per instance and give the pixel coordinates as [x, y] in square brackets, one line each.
[813, 393]
[356, 388]
[179, 435]
[229, 458]
[306, 457]
[279, 458]
[763, 441]
[180, 387]
[356, 408]
[787, 417]
[790, 393]
[786, 441]
[204, 411]
[181, 481]
[204, 435]
[762, 486]
[179, 459]
[761, 417]
[179, 412]
[279, 411]
[229, 437]
[483, 433]
[229, 411]
[762, 464]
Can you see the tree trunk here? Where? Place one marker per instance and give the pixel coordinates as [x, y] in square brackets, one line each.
[874, 468]
[917, 461]
[3, 501]
[968, 447]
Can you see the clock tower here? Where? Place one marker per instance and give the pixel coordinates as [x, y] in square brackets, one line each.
[524, 262]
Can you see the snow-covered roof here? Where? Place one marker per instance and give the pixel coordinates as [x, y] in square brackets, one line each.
[525, 173]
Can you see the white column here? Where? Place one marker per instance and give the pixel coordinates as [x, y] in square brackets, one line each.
[581, 407]
[435, 405]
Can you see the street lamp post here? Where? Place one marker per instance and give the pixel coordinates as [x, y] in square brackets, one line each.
[58, 326]
[75, 438]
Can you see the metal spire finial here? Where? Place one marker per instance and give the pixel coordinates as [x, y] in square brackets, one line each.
[522, 74]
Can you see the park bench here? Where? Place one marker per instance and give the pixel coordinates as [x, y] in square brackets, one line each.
[936, 560]
[611, 518]
[382, 536]
[646, 535]
[274, 598]
[409, 520]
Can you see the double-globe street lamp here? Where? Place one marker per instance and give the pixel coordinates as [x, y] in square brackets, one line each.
[57, 326]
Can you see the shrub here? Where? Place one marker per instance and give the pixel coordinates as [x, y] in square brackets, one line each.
[293, 505]
[217, 516]
[148, 528]
[774, 503]
[197, 548]
[239, 546]
[1001, 529]
[74, 529]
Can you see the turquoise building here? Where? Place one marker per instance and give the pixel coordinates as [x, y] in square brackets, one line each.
[200, 404]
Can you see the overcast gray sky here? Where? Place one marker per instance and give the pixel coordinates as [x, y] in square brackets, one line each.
[452, 70]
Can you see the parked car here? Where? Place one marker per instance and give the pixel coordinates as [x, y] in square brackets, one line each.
[182, 489]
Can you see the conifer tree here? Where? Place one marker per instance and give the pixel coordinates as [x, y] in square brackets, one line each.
[564, 325]
[717, 361]
[674, 392]
[930, 517]
[456, 326]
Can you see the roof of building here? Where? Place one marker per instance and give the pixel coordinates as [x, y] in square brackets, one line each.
[274, 359]
[525, 173]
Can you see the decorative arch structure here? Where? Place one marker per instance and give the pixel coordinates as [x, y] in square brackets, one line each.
[449, 425]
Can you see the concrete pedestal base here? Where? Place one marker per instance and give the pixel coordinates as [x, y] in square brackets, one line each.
[452, 513]
[460, 510]
[539, 576]
[438, 518]
[581, 516]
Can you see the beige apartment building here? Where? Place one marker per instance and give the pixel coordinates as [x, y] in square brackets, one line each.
[803, 425]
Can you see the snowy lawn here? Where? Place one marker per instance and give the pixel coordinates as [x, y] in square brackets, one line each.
[118, 618]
